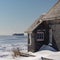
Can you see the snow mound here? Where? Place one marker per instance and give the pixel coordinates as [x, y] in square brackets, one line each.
[47, 47]
[44, 53]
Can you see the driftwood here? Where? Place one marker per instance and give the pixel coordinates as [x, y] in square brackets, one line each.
[16, 52]
[43, 58]
[26, 55]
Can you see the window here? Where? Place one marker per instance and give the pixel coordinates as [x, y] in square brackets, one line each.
[40, 36]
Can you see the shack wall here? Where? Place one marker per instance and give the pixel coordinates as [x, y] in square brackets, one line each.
[56, 34]
[44, 27]
[31, 42]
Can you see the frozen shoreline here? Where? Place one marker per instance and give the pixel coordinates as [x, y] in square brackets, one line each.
[38, 55]
[6, 53]
[14, 42]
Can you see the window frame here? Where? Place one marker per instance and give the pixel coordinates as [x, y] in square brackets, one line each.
[40, 36]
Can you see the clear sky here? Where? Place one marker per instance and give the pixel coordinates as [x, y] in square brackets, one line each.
[17, 15]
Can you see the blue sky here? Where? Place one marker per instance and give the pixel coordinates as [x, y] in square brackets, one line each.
[17, 15]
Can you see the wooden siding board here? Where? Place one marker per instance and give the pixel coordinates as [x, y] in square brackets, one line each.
[56, 34]
[32, 46]
[44, 28]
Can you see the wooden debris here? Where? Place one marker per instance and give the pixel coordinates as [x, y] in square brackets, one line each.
[16, 52]
[43, 58]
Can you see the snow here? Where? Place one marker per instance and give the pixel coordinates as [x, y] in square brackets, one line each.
[38, 55]
[45, 52]
[47, 47]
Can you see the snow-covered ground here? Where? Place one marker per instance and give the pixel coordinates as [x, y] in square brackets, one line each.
[38, 55]
[7, 43]
[45, 51]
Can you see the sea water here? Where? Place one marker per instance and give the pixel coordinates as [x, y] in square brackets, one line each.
[7, 43]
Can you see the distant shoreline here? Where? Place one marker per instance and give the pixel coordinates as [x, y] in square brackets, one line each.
[20, 34]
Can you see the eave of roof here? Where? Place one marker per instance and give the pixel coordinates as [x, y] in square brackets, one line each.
[52, 14]
[34, 25]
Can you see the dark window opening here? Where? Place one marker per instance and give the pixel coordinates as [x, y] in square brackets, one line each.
[40, 36]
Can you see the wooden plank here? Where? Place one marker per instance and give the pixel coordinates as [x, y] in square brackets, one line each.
[43, 58]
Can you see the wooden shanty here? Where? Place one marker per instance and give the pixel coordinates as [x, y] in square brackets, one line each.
[45, 30]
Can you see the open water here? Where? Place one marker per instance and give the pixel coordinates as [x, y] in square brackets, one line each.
[7, 43]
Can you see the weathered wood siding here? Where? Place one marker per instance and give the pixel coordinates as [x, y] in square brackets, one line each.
[43, 28]
[56, 34]
[31, 47]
